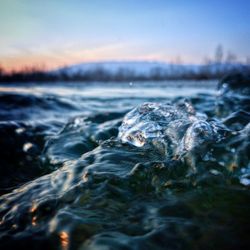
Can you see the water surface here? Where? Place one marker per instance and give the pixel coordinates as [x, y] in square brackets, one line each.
[68, 182]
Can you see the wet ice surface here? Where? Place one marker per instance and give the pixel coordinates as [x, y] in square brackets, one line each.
[151, 121]
[124, 167]
[175, 129]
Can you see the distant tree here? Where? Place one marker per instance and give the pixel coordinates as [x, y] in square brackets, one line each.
[178, 60]
[230, 58]
[1, 70]
[205, 71]
[207, 61]
[218, 54]
[248, 60]
[157, 73]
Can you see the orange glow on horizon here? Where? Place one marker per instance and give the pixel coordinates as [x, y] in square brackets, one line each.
[45, 63]
[50, 60]
[41, 62]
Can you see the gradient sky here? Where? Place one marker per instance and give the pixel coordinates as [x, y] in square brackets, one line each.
[55, 33]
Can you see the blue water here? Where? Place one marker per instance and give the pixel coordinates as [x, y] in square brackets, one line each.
[68, 182]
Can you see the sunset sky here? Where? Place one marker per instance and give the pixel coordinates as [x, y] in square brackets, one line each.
[56, 33]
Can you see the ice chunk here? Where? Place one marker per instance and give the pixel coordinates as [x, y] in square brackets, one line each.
[176, 128]
[155, 121]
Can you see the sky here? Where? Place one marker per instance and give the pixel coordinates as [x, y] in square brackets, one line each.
[54, 33]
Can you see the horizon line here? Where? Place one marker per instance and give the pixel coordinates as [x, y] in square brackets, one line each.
[44, 67]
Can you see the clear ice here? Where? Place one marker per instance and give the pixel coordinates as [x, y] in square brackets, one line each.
[176, 126]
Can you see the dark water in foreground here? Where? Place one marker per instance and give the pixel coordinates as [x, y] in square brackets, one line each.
[68, 182]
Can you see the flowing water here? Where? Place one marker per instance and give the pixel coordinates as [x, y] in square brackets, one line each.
[69, 179]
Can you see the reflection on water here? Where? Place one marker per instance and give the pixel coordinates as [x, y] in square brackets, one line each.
[67, 181]
[111, 90]
[64, 237]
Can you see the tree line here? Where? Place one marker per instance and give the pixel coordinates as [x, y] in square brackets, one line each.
[214, 68]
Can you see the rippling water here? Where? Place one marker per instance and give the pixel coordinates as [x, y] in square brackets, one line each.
[67, 181]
